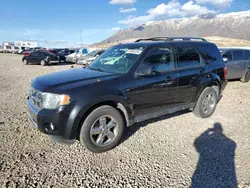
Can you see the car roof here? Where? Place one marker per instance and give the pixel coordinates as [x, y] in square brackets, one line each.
[233, 48]
[155, 43]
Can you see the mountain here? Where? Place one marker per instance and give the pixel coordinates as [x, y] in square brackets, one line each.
[231, 25]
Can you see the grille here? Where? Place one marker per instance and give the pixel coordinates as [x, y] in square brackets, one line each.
[36, 98]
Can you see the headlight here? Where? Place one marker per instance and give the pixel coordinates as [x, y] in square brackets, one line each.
[52, 101]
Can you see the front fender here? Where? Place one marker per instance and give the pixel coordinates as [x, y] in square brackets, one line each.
[84, 107]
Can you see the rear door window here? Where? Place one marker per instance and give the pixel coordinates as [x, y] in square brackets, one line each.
[238, 55]
[188, 56]
[212, 53]
[34, 54]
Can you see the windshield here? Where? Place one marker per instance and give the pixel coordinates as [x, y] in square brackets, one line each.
[117, 59]
[93, 53]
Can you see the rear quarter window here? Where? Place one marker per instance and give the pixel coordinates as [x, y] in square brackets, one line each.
[212, 53]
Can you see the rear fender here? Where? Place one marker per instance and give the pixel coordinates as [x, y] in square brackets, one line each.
[210, 80]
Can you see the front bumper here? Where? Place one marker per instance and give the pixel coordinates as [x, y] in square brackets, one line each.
[57, 123]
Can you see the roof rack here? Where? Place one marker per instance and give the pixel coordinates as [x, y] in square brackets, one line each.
[173, 39]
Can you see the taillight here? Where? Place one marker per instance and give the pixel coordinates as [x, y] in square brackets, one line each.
[26, 54]
[225, 72]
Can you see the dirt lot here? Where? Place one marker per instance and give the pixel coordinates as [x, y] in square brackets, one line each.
[173, 151]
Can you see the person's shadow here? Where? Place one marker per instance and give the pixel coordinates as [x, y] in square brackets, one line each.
[216, 167]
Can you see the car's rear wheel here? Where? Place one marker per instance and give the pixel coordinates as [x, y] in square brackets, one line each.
[25, 62]
[206, 103]
[102, 130]
[246, 76]
[43, 62]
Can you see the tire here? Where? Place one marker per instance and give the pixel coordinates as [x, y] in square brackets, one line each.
[25, 62]
[101, 139]
[246, 77]
[206, 103]
[43, 62]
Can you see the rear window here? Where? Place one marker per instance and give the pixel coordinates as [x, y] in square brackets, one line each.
[212, 53]
[238, 55]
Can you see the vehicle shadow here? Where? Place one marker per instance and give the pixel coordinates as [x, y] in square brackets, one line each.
[129, 131]
[59, 64]
[216, 166]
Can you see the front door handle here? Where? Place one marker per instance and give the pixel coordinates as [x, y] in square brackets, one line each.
[169, 78]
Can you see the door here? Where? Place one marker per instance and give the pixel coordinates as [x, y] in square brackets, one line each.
[156, 92]
[238, 65]
[191, 69]
[34, 57]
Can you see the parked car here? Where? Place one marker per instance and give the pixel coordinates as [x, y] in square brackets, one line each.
[72, 58]
[89, 58]
[153, 78]
[62, 54]
[40, 57]
[237, 62]
[15, 49]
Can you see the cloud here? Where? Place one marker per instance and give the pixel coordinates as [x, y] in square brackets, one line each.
[191, 9]
[172, 9]
[122, 1]
[122, 10]
[217, 3]
[132, 20]
[115, 29]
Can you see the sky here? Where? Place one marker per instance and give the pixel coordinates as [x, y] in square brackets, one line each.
[65, 23]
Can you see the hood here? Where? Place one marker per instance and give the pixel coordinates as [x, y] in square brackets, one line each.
[60, 81]
[72, 55]
[87, 57]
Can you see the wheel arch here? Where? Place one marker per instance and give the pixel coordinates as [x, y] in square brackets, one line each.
[118, 105]
[211, 80]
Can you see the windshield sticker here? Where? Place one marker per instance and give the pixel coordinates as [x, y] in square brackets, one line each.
[134, 51]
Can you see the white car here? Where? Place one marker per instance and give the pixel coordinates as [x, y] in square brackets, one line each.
[72, 58]
[89, 58]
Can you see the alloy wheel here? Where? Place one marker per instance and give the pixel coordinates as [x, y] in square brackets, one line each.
[104, 130]
[208, 103]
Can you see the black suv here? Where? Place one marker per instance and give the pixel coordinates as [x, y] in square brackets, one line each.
[149, 78]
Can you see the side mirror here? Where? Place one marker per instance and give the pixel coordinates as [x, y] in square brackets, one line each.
[225, 59]
[145, 69]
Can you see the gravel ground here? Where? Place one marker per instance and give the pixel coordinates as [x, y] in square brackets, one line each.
[174, 151]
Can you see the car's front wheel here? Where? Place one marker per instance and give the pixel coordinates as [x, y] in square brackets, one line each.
[206, 103]
[102, 130]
